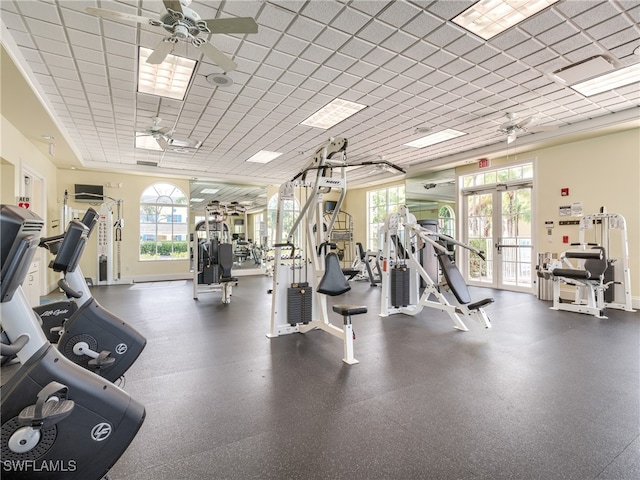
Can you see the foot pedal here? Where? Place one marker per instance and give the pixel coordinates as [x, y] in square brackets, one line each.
[104, 359]
[51, 407]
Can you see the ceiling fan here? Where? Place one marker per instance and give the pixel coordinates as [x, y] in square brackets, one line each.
[515, 126]
[164, 137]
[185, 24]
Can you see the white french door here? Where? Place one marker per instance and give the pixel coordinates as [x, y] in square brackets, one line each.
[499, 222]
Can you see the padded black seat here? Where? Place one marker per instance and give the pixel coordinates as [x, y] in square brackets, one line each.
[350, 272]
[594, 266]
[572, 273]
[349, 309]
[480, 303]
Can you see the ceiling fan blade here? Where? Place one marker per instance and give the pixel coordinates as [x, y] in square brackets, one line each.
[232, 25]
[161, 51]
[217, 56]
[161, 141]
[524, 122]
[174, 5]
[511, 138]
[112, 15]
[543, 128]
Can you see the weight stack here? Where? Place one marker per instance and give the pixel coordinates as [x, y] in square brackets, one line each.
[400, 286]
[299, 304]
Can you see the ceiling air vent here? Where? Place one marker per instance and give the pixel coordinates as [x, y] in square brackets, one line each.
[147, 164]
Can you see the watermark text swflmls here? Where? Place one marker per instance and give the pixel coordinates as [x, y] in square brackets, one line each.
[39, 465]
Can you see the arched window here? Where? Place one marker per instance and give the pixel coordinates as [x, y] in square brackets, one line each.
[447, 221]
[164, 225]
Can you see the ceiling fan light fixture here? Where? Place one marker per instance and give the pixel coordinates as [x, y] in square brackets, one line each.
[219, 80]
[147, 142]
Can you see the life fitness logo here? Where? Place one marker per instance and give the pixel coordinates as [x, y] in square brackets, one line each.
[121, 348]
[101, 431]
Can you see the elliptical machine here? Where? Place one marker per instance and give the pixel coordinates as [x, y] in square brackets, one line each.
[59, 421]
[92, 337]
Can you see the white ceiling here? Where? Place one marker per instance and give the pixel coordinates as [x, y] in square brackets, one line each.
[405, 60]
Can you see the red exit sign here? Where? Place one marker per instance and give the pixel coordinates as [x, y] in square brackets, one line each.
[484, 163]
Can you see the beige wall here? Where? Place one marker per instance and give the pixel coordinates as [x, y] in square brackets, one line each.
[600, 171]
[132, 187]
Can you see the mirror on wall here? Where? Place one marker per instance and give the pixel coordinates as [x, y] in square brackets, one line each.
[244, 225]
[432, 196]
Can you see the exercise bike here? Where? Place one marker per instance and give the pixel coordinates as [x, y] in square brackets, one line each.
[92, 337]
[59, 421]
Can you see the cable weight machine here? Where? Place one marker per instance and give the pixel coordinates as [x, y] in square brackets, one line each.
[301, 306]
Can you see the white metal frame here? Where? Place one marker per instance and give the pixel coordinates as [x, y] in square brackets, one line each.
[589, 295]
[226, 288]
[332, 155]
[405, 223]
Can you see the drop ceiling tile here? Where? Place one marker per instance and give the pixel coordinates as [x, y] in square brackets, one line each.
[450, 9]
[291, 45]
[399, 13]
[274, 17]
[303, 67]
[305, 28]
[422, 25]
[571, 44]
[316, 54]
[601, 12]
[609, 27]
[356, 48]
[84, 39]
[52, 46]
[399, 41]
[47, 12]
[583, 53]
[420, 50]
[323, 12]
[340, 62]
[376, 32]
[525, 49]
[481, 54]
[539, 57]
[379, 56]
[623, 51]
[439, 59]
[351, 21]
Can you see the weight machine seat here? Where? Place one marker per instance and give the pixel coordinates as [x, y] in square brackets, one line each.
[350, 272]
[333, 281]
[457, 284]
[348, 310]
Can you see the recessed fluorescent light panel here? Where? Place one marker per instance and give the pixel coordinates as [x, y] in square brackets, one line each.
[210, 191]
[609, 81]
[147, 142]
[487, 18]
[434, 138]
[264, 156]
[169, 79]
[332, 114]
[197, 200]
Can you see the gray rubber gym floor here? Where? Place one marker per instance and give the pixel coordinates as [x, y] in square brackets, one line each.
[541, 395]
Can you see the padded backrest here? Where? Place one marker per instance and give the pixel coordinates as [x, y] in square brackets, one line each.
[333, 282]
[597, 266]
[90, 219]
[225, 258]
[454, 279]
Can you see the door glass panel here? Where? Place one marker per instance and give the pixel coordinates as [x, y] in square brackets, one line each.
[480, 231]
[516, 231]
